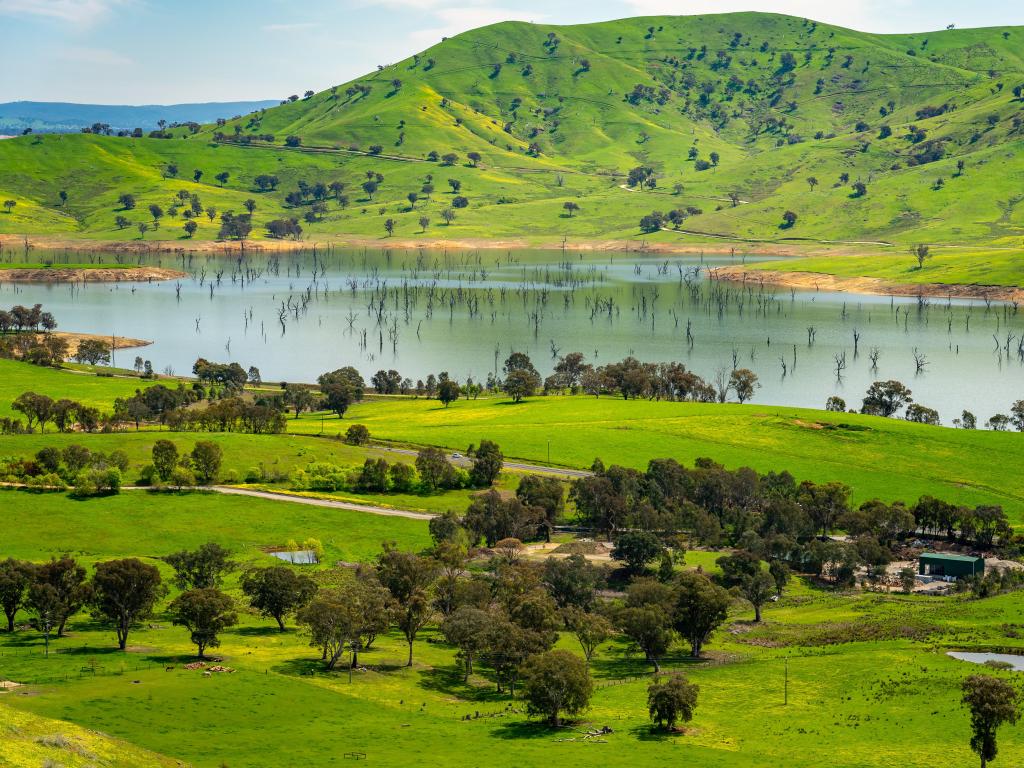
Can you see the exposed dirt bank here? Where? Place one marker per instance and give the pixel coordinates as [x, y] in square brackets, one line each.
[824, 282]
[120, 342]
[91, 275]
[712, 246]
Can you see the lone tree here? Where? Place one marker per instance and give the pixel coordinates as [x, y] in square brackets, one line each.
[201, 568]
[125, 592]
[921, 253]
[556, 682]
[788, 219]
[700, 609]
[521, 378]
[992, 703]
[277, 590]
[205, 613]
[408, 577]
[885, 398]
[570, 207]
[15, 577]
[670, 701]
[487, 463]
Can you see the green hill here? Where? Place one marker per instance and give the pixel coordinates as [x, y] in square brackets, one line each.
[734, 113]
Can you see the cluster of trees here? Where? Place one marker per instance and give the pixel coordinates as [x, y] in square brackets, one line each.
[771, 515]
[200, 466]
[430, 472]
[632, 378]
[656, 220]
[629, 378]
[154, 403]
[25, 334]
[66, 415]
[19, 319]
[229, 414]
[90, 473]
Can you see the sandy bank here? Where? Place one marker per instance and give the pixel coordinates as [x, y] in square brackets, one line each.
[718, 247]
[91, 275]
[819, 281]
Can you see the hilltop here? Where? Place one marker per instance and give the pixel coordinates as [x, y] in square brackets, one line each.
[870, 141]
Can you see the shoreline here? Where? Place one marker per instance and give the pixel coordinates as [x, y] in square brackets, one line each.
[113, 274]
[821, 281]
[28, 243]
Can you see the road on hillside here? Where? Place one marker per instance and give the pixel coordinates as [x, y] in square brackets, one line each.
[518, 466]
[314, 502]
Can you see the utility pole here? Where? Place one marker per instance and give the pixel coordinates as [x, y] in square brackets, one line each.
[785, 695]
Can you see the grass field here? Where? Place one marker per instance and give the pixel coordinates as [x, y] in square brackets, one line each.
[957, 465]
[761, 126]
[89, 389]
[851, 703]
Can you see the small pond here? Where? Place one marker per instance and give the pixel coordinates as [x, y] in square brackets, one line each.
[297, 557]
[1015, 661]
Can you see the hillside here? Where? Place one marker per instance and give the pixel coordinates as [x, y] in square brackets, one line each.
[742, 116]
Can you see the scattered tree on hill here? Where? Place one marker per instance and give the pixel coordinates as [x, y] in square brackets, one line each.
[341, 388]
[521, 378]
[992, 703]
[201, 568]
[408, 577]
[885, 398]
[223, 177]
[205, 613]
[448, 215]
[788, 219]
[276, 590]
[15, 578]
[921, 253]
[701, 607]
[125, 592]
[190, 227]
[556, 683]
[670, 701]
[70, 589]
[487, 463]
[127, 201]
[570, 207]
[206, 459]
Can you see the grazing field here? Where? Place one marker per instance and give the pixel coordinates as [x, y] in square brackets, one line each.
[884, 458]
[156, 524]
[850, 701]
[86, 388]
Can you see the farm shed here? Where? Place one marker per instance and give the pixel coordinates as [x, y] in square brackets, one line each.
[957, 566]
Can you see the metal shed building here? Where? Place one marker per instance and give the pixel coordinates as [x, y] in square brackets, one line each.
[957, 566]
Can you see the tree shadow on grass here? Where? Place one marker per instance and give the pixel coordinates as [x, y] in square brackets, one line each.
[449, 681]
[521, 728]
[262, 631]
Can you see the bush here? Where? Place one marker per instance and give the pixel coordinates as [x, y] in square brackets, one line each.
[357, 434]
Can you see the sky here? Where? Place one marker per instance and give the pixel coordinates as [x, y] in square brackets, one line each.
[174, 51]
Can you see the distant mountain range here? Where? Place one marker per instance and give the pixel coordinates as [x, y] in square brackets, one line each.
[63, 117]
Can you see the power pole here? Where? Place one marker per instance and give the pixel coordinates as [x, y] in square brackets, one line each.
[785, 695]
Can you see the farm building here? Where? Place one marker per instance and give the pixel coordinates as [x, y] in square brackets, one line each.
[956, 566]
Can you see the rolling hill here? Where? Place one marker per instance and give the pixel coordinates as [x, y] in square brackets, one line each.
[870, 140]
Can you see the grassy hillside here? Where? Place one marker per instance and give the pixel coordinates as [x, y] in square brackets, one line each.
[561, 114]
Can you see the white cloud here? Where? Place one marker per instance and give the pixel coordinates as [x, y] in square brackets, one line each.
[452, 21]
[101, 56]
[71, 11]
[865, 15]
[296, 27]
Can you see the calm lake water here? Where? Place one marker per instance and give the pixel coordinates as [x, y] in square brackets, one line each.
[1016, 662]
[297, 315]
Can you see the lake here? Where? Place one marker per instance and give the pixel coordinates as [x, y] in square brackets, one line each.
[297, 315]
[1016, 662]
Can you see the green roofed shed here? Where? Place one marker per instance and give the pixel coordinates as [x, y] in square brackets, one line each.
[957, 566]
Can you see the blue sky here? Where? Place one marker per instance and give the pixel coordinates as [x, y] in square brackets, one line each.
[169, 51]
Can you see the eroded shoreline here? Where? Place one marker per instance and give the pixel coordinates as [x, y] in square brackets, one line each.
[820, 281]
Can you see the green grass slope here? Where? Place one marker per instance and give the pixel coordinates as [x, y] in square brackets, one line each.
[560, 114]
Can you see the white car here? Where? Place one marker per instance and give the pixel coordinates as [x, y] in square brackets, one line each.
[456, 455]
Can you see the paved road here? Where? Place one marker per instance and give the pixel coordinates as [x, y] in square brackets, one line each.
[313, 502]
[538, 468]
